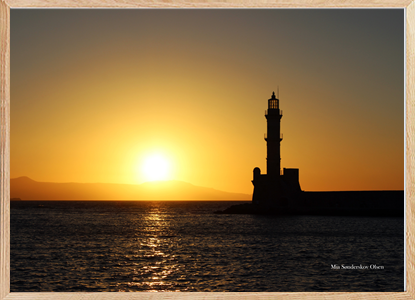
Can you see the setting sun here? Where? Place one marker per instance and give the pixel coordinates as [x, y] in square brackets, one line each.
[155, 167]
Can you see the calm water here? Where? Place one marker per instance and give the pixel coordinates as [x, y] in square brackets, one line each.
[183, 246]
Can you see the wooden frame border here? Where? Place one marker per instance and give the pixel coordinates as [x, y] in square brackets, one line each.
[5, 6]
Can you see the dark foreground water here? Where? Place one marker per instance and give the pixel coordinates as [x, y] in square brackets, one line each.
[183, 246]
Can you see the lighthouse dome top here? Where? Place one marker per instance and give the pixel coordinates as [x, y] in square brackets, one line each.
[273, 96]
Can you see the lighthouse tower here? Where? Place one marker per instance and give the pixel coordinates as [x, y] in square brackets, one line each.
[276, 188]
[273, 137]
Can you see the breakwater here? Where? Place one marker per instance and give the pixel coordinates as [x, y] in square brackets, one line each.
[338, 203]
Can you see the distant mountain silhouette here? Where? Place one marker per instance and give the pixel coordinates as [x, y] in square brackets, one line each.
[28, 189]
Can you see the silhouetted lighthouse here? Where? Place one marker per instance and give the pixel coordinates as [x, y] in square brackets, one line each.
[276, 188]
[273, 137]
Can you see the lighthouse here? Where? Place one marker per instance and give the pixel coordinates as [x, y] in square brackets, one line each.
[273, 137]
[277, 188]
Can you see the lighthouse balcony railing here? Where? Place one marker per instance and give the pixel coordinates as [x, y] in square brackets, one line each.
[266, 136]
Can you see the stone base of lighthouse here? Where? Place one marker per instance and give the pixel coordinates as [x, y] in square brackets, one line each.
[280, 191]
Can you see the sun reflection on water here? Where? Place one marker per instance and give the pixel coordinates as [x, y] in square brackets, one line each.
[156, 263]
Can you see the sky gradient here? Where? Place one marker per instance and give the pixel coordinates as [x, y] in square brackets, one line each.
[93, 92]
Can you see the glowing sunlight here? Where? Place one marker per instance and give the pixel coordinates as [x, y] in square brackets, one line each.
[155, 167]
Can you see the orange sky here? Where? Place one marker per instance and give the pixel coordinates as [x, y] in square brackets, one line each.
[93, 92]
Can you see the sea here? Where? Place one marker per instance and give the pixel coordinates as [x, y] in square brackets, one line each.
[183, 246]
